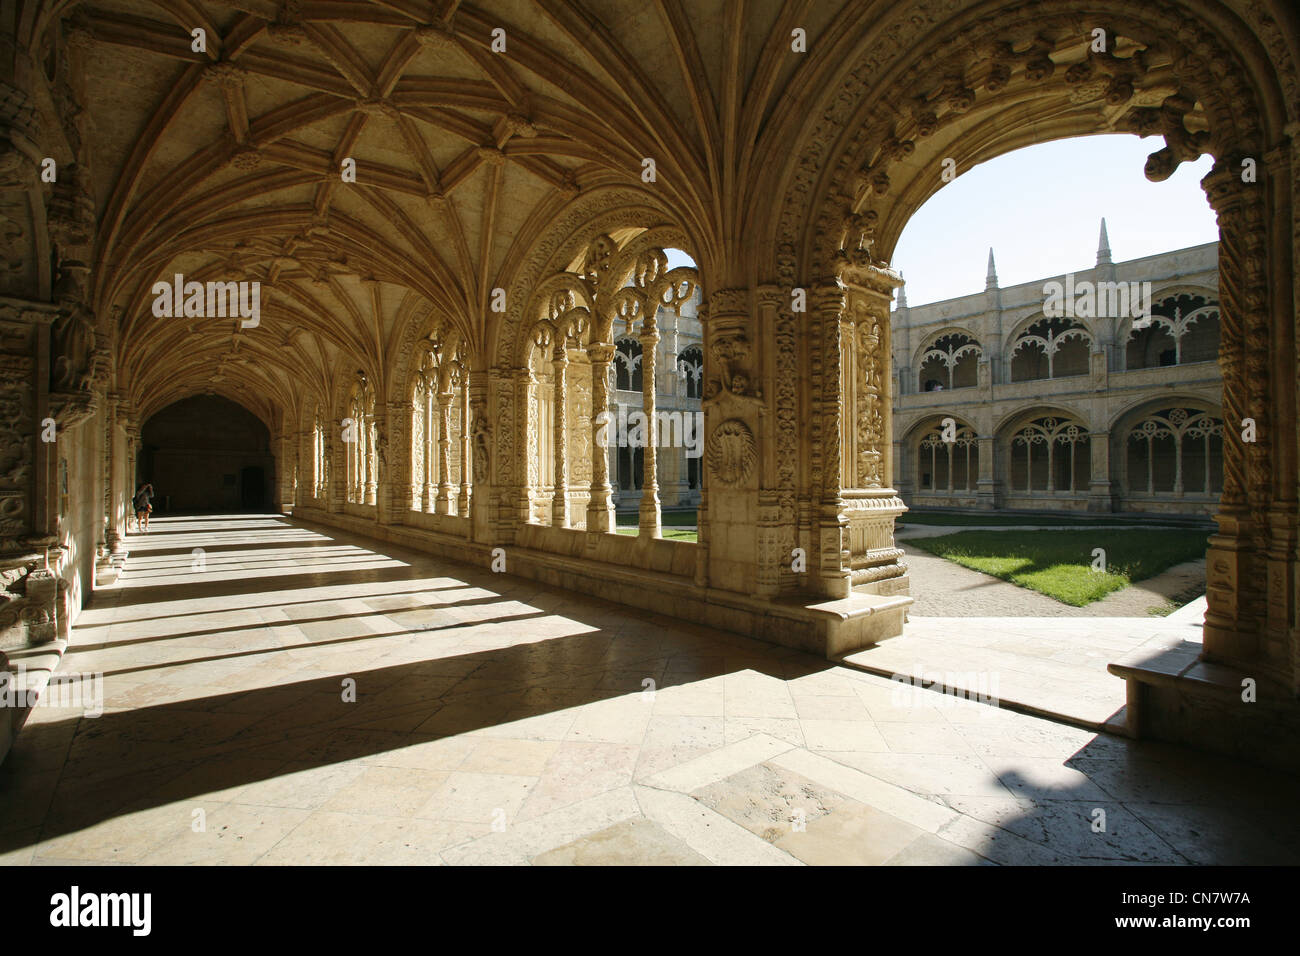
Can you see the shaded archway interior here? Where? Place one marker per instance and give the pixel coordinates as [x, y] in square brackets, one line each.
[207, 454]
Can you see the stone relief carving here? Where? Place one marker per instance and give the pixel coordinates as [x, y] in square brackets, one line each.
[731, 452]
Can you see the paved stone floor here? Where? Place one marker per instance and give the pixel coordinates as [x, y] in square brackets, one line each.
[497, 721]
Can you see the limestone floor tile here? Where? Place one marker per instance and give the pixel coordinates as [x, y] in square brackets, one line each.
[123, 838]
[232, 834]
[334, 838]
[18, 847]
[852, 834]
[759, 704]
[930, 850]
[855, 735]
[638, 842]
[623, 721]
[689, 700]
[923, 738]
[387, 791]
[509, 756]
[788, 729]
[830, 708]
[721, 841]
[1213, 835]
[25, 797]
[1044, 778]
[524, 723]
[652, 761]
[770, 801]
[304, 786]
[928, 773]
[684, 731]
[478, 798]
[218, 778]
[517, 842]
[1074, 828]
[577, 770]
[719, 764]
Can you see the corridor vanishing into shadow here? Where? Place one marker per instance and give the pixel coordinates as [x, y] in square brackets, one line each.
[497, 720]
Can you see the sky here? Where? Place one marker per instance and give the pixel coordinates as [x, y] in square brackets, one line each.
[1040, 208]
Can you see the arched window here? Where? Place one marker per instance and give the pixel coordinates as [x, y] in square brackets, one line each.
[690, 365]
[1050, 348]
[1182, 329]
[951, 362]
[948, 459]
[1178, 450]
[1052, 455]
[439, 442]
[627, 365]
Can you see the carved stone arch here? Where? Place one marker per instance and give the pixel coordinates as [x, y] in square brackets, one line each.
[1011, 421]
[1141, 407]
[855, 141]
[931, 420]
[595, 212]
[622, 263]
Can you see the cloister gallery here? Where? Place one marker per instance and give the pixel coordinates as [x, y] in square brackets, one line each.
[472, 227]
[1102, 413]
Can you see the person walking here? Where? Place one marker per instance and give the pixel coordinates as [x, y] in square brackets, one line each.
[142, 502]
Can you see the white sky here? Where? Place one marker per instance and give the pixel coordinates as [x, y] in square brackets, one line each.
[1040, 209]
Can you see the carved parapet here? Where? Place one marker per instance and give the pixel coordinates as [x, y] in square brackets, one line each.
[875, 562]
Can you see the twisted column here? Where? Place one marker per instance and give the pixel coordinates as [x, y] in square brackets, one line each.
[600, 509]
[649, 512]
[560, 432]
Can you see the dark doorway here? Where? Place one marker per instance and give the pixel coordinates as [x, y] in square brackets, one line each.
[208, 454]
[252, 488]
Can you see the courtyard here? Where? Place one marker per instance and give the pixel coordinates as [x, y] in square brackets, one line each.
[498, 721]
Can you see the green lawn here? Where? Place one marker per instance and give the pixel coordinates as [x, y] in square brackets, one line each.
[1059, 563]
[670, 534]
[997, 518]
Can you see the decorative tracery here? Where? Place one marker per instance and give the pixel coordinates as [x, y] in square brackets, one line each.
[1177, 450]
[1180, 329]
[1050, 348]
[605, 312]
[440, 481]
[1062, 446]
[949, 363]
[948, 460]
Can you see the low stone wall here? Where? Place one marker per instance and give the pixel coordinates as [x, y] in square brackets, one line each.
[652, 575]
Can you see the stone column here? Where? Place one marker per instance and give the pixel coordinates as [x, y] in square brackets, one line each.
[987, 486]
[560, 432]
[1235, 575]
[462, 501]
[1101, 496]
[483, 497]
[372, 461]
[442, 505]
[428, 492]
[400, 467]
[828, 304]
[649, 517]
[600, 509]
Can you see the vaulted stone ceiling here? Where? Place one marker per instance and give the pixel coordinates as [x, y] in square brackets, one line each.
[226, 163]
